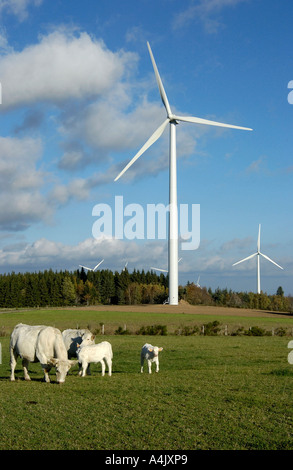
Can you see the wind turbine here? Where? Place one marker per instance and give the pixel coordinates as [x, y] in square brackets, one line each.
[173, 120]
[197, 282]
[91, 269]
[258, 254]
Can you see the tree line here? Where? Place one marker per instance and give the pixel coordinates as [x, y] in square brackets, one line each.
[64, 288]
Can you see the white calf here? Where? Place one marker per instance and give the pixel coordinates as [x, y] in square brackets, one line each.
[95, 353]
[150, 354]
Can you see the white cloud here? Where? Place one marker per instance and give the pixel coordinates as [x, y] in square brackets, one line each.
[207, 12]
[61, 66]
[18, 7]
[46, 254]
[237, 244]
[75, 189]
[21, 200]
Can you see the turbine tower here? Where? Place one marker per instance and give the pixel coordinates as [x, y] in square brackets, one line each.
[173, 120]
[258, 254]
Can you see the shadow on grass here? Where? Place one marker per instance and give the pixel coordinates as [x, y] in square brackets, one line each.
[282, 372]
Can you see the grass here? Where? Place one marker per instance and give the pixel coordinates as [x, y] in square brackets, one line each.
[212, 393]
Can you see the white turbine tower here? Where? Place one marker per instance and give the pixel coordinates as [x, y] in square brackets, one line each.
[91, 269]
[172, 119]
[258, 254]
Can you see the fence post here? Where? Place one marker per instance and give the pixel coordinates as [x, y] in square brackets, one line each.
[103, 329]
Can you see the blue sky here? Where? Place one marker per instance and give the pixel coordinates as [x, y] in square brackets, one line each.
[79, 99]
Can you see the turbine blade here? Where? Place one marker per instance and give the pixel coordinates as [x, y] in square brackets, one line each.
[158, 269]
[258, 239]
[248, 257]
[197, 120]
[160, 84]
[98, 265]
[269, 259]
[155, 136]
[85, 267]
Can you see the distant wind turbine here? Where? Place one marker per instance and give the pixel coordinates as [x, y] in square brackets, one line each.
[172, 119]
[258, 254]
[197, 282]
[91, 269]
[125, 266]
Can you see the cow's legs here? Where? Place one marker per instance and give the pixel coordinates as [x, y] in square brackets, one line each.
[13, 361]
[109, 364]
[82, 369]
[103, 367]
[46, 370]
[150, 366]
[157, 365]
[25, 364]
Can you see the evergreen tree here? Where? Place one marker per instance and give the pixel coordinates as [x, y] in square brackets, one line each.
[280, 291]
[68, 291]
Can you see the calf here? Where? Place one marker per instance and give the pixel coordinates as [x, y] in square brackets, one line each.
[100, 352]
[150, 354]
[72, 338]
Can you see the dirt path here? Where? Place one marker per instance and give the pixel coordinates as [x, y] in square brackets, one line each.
[186, 308]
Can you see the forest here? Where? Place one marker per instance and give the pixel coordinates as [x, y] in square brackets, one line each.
[64, 288]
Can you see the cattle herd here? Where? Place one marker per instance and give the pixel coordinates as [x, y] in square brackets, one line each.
[50, 347]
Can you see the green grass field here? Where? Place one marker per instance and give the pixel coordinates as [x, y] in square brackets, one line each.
[212, 392]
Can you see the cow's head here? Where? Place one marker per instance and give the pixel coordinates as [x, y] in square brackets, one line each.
[87, 339]
[155, 350]
[62, 367]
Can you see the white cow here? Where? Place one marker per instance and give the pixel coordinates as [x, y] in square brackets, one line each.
[42, 344]
[150, 354]
[72, 338]
[100, 352]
